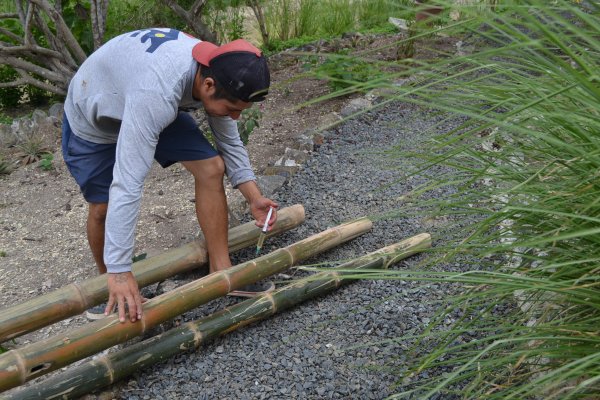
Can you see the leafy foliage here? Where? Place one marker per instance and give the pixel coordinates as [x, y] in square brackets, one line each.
[5, 119]
[46, 162]
[139, 257]
[248, 121]
[9, 96]
[342, 72]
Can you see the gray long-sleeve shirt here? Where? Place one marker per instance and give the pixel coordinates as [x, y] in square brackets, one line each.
[127, 92]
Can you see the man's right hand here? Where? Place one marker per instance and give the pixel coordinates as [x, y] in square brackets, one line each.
[123, 292]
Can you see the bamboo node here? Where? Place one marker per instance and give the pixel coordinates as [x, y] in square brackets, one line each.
[292, 258]
[197, 334]
[108, 367]
[84, 301]
[271, 299]
[337, 278]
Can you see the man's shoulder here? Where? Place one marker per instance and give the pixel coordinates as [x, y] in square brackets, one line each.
[155, 41]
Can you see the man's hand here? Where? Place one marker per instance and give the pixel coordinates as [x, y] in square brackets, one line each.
[123, 291]
[260, 208]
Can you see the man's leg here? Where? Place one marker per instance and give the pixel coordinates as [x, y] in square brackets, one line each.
[211, 208]
[95, 232]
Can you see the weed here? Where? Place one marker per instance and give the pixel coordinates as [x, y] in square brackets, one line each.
[31, 150]
[5, 119]
[5, 168]
[344, 72]
[3, 253]
[248, 121]
[46, 162]
[139, 257]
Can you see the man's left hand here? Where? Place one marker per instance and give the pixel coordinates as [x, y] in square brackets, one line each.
[260, 209]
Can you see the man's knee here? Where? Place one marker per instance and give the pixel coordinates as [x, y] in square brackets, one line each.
[97, 212]
[208, 169]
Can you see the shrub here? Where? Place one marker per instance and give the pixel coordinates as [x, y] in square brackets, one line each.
[46, 162]
[342, 72]
[32, 150]
[248, 122]
[9, 96]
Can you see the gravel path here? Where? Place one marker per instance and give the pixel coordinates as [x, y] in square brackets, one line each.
[323, 348]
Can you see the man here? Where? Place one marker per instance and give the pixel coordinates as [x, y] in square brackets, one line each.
[124, 107]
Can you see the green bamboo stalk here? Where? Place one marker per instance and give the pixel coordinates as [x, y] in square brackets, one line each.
[110, 368]
[75, 298]
[21, 365]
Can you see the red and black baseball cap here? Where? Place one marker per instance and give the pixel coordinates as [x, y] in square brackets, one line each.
[238, 66]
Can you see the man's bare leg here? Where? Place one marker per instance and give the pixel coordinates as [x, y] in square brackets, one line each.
[211, 209]
[95, 233]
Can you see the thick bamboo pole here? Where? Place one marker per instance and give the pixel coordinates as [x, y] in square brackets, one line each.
[75, 298]
[110, 368]
[20, 365]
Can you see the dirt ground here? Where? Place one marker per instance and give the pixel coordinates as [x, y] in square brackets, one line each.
[43, 243]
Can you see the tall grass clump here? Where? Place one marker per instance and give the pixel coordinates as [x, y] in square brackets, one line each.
[525, 183]
[376, 13]
[289, 19]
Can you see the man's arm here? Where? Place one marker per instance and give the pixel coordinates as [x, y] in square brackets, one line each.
[145, 116]
[239, 171]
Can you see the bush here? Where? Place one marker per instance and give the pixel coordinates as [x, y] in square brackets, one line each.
[10, 96]
[342, 72]
[277, 45]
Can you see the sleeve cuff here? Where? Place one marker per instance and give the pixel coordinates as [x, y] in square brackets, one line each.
[242, 176]
[119, 268]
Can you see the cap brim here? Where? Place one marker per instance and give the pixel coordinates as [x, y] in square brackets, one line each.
[202, 52]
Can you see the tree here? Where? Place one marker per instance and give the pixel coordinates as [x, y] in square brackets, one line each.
[260, 18]
[192, 18]
[38, 44]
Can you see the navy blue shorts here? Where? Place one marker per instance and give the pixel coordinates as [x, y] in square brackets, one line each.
[91, 164]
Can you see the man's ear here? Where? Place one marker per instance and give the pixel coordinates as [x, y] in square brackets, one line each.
[208, 84]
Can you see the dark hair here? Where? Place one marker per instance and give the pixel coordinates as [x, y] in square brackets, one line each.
[220, 91]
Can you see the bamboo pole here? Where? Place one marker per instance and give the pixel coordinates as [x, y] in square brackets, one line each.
[75, 298]
[21, 365]
[110, 368]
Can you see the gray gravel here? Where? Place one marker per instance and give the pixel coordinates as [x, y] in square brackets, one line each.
[325, 348]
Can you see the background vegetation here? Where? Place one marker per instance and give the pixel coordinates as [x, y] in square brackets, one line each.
[524, 170]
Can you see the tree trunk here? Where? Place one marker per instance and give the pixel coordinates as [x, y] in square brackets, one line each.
[99, 10]
[75, 298]
[193, 18]
[21, 365]
[110, 368]
[260, 18]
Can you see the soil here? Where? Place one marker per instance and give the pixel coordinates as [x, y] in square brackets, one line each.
[43, 243]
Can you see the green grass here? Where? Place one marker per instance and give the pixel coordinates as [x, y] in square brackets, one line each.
[288, 20]
[524, 170]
